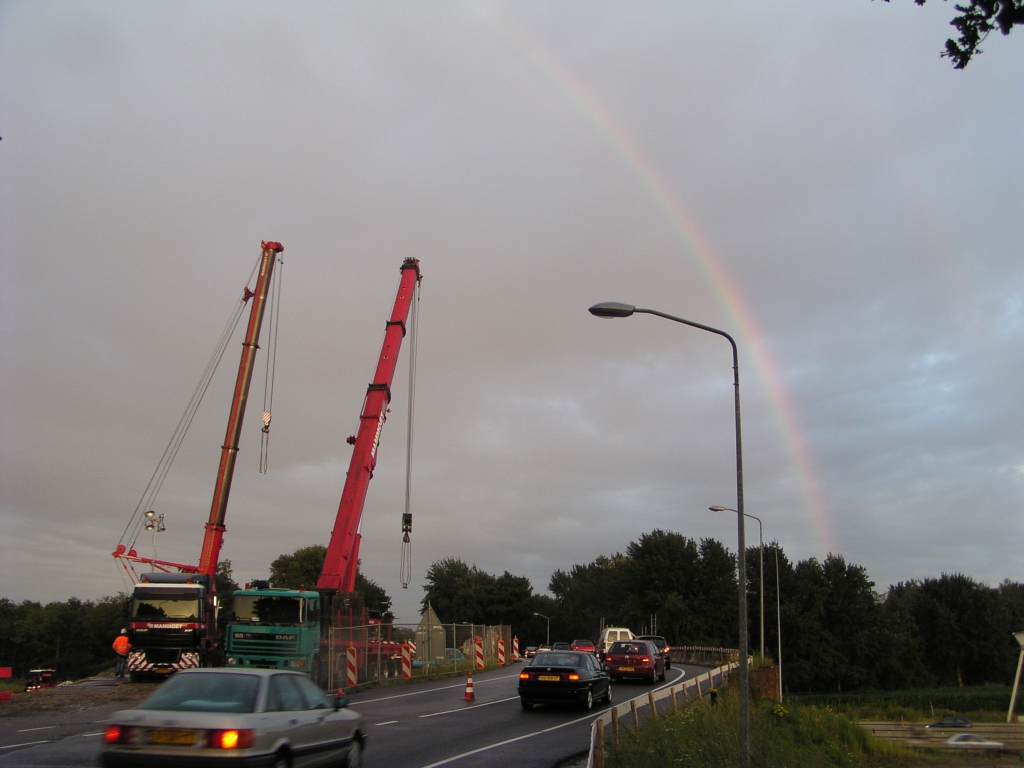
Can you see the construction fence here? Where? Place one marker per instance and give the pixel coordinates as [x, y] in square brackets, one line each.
[374, 653]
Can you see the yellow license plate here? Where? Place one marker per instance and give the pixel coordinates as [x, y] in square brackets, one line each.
[165, 736]
[549, 678]
[626, 669]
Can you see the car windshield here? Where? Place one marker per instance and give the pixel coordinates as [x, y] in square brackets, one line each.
[628, 648]
[165, 605]
[205, 692]
[263, 609]
[557, 660]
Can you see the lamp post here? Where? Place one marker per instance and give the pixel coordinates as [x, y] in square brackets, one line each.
[154, 524]
[778, 615]
[760, 537]
[610, 309]
[548, 635]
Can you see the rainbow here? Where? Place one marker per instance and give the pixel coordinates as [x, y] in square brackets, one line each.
[653, 181]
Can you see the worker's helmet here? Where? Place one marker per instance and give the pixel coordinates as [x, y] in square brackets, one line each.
[124, 631]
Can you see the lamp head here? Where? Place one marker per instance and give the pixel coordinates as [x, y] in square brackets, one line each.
[721, 509]
[150, 513]
[609, 309]
[150, 526]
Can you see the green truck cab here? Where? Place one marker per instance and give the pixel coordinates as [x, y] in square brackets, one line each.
[275, 629]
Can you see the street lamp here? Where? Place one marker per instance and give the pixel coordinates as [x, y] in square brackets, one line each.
[548, 643]
[760, 537]
[610, 309]
[154, 524]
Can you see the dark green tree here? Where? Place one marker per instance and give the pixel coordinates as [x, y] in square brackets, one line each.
[975, 21]
[303, 566]
[460, 593]
[966, 631]
[224, 581]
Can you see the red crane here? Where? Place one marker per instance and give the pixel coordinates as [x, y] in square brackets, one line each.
[214, 536]
[339, 571]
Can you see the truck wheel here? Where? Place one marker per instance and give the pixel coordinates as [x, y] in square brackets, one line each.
[317, 672]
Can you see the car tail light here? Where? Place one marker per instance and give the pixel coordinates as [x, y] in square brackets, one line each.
[646, 660]
[574, 676]
[524, 675]
[118, 734]
[231, 739]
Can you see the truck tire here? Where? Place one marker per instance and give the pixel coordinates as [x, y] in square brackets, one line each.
[317, 672]
[135, 677]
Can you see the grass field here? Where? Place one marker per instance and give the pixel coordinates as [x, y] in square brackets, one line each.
[981, 704]
[790, 736]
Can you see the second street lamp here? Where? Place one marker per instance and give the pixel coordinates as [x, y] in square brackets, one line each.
[548, 643]
[611, 309]
[760, 538]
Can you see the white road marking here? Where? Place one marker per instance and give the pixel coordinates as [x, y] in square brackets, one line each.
[517, 738]
[507, 741]
[98, 733]
[388, 722]
[467, 709]
[40, 728]
[364, 702]
[25, 744]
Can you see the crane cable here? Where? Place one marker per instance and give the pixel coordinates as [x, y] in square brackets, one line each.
[268, 379]
[156, 480]
[405, 569]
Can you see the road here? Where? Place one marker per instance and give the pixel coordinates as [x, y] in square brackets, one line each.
[418, 726]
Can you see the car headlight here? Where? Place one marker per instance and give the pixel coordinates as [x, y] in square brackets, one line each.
[232, 660]
[297, 663]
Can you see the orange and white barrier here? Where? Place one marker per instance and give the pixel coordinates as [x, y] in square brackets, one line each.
[478, 651]
[515, 649]
[470, 696]
[501, 652]
[406, 661]
[351, 671]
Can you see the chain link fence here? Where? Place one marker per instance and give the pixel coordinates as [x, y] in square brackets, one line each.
[436, 650]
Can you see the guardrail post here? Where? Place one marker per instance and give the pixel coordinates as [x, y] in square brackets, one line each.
[654, 707]
[675, 704]
[599, 746]
[632, 708]
[615, 726]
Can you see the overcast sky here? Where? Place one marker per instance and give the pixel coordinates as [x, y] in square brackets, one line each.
[810, 177]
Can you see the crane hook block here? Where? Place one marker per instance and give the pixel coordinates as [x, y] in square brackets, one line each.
[351, 439]
[406, 522]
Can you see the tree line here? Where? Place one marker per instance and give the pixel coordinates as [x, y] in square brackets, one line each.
[838, 632]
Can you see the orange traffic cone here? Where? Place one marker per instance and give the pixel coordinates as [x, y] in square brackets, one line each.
[470, 696]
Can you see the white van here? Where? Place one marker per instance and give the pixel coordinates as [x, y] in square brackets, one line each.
[611, 635]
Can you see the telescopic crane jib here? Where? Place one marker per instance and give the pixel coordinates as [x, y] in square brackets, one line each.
[339, 571]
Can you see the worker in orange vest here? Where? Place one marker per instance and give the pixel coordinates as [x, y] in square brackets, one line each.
[121, 648]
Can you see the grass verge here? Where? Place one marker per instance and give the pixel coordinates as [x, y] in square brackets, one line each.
[793, 736]
[981, 704]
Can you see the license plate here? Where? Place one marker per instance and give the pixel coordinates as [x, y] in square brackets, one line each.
[166, 736]
[549, 678]
[626, 669]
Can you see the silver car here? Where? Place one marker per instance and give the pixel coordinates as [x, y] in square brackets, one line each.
[236, 717]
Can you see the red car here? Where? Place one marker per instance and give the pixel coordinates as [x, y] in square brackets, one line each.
[635, 658]
[584, 645]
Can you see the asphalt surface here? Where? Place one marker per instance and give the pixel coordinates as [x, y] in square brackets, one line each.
[417, 726]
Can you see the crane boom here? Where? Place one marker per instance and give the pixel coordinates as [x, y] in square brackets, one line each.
[214, 536]
[339, 571]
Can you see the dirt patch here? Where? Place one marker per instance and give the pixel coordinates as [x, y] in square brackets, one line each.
[86, 694]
